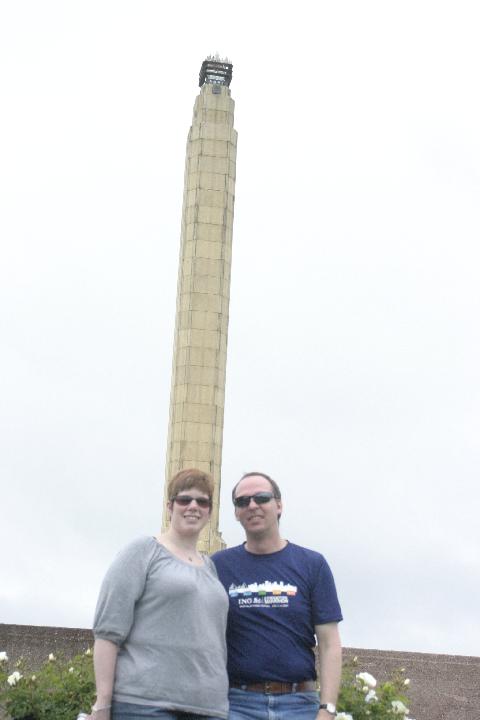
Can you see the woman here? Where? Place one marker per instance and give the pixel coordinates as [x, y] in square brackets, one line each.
[160, 620]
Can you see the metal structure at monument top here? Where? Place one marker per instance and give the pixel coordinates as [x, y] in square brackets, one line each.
[215, 71]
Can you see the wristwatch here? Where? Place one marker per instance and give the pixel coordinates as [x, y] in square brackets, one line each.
[329, 707]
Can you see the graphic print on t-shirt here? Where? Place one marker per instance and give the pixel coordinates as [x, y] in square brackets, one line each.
[264, 594]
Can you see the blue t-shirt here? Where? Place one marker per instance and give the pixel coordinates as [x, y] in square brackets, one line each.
[275, 602]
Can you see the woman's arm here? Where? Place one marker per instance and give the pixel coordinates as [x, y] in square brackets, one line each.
[104, 661]
[121, 588]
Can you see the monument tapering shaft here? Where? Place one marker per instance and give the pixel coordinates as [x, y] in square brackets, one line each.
[203, 292]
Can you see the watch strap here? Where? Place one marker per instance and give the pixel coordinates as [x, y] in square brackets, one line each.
[329, 707]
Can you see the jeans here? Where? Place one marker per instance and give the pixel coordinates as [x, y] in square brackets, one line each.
[132, 711]
[245, 705]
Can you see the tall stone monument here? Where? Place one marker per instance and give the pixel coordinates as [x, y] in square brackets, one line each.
[203, 292]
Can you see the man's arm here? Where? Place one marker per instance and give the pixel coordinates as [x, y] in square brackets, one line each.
[330, 659]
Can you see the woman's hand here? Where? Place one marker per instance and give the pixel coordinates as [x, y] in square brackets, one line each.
[100, 713]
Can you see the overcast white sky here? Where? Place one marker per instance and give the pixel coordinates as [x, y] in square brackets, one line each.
[354, 347]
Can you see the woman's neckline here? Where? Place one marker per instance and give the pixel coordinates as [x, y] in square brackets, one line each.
[188, 560]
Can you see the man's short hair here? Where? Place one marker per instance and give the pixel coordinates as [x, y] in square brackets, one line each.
[275, 489]
[188, 479]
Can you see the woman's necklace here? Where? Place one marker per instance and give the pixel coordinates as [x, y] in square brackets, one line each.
[197, 559]
[192, 558]
[184, 554]
[187, 554]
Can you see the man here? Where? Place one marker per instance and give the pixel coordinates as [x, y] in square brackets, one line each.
[281, 596]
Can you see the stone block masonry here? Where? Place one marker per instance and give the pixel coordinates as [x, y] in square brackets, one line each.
[195, 432]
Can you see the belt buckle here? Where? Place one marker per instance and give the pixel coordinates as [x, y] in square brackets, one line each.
[268, 688]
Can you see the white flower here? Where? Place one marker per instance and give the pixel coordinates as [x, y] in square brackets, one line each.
[366, 678]
[88, 651]
[14, 678]
[34, 677]
[51, 657]
[3, 657]
[355, 659]
[399, 708]
[343, 716]
[71, 670]
[365, 689]
[371, 695]
[406, 681]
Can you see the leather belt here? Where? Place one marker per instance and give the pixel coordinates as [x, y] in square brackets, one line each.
[276, 688]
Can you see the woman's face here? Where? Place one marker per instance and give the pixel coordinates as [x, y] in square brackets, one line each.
[190, 511]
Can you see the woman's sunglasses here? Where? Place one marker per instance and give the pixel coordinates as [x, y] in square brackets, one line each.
[185, 500]
[260, 498]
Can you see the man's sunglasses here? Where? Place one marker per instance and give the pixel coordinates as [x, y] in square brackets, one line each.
[260, 498]
[185, 500]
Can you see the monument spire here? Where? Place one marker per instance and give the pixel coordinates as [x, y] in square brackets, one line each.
[195, 431]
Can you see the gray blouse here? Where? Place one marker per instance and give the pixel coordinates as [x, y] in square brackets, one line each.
[168, 618]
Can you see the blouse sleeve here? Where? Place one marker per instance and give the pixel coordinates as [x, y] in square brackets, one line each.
[122, 587]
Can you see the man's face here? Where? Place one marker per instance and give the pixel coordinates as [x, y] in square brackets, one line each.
[257, 519]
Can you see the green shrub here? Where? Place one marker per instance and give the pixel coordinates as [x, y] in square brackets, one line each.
[361, 697]
[63, 687]
[57, 691]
